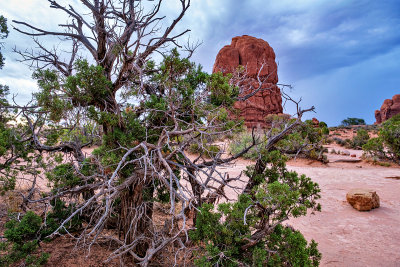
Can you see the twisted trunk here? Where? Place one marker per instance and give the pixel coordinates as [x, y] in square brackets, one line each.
[135, 221]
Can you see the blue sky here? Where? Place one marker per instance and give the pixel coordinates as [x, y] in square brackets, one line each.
[343, 57]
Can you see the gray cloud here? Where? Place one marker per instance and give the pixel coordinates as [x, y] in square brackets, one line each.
[329, 47]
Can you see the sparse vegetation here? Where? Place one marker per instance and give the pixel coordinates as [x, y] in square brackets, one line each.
[23, 237]
[360, 139]
[224, 235]
[305, 141]
[387, 145]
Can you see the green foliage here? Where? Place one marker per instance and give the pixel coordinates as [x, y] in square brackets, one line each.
[387, 145]
[210, 151]
[12, 151]
[353, 121]
[360, 139]
[3, 34]
[240, 142]
[61, 211]
[88, 85]
[292, 249]
[306, 140]
[224, 236]
[341, 142]
[222, 94]
[23, 236]
[4, 91]
[63, 176]
[22, 240]
[390, 134]
[48, 97]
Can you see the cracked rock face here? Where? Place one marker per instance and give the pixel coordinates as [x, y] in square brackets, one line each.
[258, 60]
[389, 108]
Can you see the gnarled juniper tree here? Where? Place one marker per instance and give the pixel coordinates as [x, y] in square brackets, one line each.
[142, 116]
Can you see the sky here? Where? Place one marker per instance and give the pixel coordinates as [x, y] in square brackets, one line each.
[341, 56]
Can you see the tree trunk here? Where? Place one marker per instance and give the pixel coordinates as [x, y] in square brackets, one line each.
[135, 220]
[258, 170]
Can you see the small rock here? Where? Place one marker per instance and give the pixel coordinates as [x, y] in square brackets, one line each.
[363, 199]
[353, 155]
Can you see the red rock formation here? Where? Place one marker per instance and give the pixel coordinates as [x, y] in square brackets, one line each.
[389, 108]
[258, 59]
[315, 122]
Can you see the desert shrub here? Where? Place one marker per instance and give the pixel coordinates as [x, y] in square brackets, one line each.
[360, 139]
[205, 149]
[353, 121]
[305, 141]
[23, 235]
[228, 236]
[390, 135]
[61, 211]
[387, 144]
[23, 238]
[340, 141]
[240, 142]
[323, 124]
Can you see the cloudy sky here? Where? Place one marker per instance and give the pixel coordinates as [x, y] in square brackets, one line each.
[341, 56]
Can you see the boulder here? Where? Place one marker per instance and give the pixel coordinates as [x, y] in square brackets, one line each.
[259, 73]
[389, 108]
[363, 199]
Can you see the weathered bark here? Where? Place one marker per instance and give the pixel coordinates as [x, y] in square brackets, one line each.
[135, 221]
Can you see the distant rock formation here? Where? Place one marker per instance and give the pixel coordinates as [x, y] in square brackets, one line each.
[258, 59]
[315, 122]
[389, 108]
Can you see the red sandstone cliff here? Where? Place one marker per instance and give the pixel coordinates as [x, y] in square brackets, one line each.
[258, 59]
[389, 108]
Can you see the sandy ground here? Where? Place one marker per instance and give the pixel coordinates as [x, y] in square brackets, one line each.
[347, 237]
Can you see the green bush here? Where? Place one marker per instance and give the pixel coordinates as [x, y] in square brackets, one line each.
[210, 151]
[360, 139]
[23, 236]
[250, 231]
[387, 145]
[305, 140]
[22, 240]
[240, 142]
